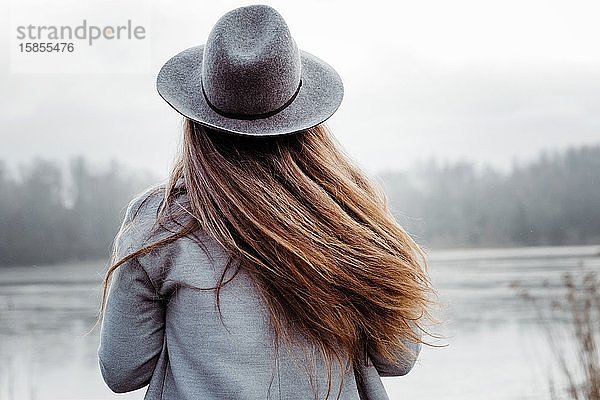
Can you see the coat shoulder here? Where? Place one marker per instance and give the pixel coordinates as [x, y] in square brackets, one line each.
[140, 220]
[145, 204]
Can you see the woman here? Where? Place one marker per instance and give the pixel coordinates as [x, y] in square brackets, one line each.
[268, 266]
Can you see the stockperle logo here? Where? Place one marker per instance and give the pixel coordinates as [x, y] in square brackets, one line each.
[85, 32]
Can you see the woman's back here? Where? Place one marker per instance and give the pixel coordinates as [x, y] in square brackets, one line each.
[163, 332]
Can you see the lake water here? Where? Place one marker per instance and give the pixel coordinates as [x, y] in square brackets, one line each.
[494, 348]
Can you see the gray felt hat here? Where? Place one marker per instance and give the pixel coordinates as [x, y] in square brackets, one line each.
[250, 78]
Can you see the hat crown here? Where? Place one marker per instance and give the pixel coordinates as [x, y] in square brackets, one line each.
[251, 65]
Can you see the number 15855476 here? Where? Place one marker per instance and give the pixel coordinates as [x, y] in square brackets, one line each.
[35, 47]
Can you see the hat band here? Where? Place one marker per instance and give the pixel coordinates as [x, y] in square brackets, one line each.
[250, 116]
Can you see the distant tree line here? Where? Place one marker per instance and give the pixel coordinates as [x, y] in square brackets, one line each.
[50, 214]
[552, 200]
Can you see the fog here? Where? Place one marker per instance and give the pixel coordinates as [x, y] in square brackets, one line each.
[491, 83]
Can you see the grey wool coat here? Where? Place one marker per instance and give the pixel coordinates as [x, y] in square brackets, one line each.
[161, 333]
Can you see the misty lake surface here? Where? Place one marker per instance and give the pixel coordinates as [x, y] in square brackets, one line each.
[494, 347]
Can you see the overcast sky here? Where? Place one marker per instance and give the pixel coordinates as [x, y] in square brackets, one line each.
[485, 81]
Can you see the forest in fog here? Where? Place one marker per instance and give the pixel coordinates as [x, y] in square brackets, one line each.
[51, 214]
[553, 200]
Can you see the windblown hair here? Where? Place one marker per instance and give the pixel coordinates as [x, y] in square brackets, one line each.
[314, 234]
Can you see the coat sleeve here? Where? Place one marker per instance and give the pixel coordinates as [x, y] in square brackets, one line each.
[132, 332]
[403, 364]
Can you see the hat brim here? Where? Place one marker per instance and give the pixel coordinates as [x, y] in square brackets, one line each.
[319, 96]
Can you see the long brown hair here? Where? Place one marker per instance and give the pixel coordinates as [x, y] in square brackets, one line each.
[312, 231]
